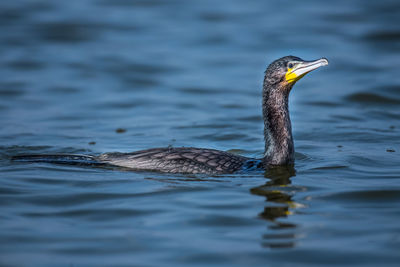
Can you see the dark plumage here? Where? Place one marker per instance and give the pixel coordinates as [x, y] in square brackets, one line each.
[177, 160]
[279, 79]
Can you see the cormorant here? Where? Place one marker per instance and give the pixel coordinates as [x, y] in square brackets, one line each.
[279, 79]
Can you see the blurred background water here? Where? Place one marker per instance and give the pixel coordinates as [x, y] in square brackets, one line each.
[189, 73]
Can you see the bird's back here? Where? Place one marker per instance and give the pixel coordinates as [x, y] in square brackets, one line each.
[178, 160]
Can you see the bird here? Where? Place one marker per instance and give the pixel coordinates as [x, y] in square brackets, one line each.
[280, 77]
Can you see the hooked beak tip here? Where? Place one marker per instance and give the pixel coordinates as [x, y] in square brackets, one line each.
[324, 61]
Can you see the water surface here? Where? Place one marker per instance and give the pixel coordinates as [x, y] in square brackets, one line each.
[189, 73]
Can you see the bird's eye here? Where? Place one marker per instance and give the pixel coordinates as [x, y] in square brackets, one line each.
[290, 65]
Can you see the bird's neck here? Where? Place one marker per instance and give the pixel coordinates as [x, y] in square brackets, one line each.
[279, 147]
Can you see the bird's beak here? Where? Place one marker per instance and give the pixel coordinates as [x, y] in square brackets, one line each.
[301, 68]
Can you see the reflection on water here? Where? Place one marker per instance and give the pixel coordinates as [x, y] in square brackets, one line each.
[279, 205]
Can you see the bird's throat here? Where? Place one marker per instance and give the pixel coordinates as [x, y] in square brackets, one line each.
[279, 147]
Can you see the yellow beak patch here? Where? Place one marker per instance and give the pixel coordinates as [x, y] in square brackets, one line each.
[291, 76]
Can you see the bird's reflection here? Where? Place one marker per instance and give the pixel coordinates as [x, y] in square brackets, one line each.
[278, 193]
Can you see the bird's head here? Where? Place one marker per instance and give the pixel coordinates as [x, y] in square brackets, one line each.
[286, 71]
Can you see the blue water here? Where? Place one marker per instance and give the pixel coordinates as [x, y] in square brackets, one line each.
[98, 76]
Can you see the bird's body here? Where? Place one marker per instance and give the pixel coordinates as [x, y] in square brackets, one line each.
[280, 77]
[178, 160]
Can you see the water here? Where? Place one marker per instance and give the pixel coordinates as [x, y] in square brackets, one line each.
[189, 73]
